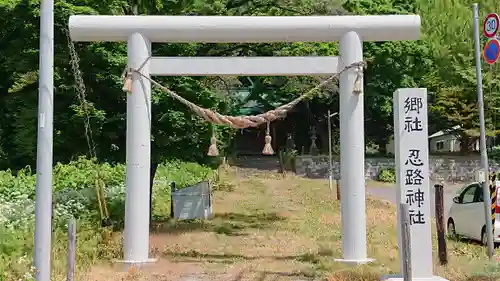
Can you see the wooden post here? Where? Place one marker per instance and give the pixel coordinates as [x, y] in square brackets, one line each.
[282, 162]
[173, 188]
[338, 189]
[406, 241]
[442, 252]
[71, 250]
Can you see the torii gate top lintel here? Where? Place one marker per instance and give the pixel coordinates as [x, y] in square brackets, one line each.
[243, 29]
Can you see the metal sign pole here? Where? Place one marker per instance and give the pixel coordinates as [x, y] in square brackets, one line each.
[482, 138]
[330, 164]
[43, 202]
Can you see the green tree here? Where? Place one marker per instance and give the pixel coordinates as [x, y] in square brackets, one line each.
[448, 28]
[101, 65]
[390, 65]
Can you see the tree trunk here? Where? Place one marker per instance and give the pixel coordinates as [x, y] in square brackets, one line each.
[464, 144]
[382, 146]
[154, 167]
[322, 134]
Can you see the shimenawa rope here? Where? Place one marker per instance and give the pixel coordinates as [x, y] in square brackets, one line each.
[241, 122]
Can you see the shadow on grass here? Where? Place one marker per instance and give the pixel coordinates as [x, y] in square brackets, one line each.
[232, 224]
[483, 278]
[262, 275]
[310, 258]
[465, 240]
[195, 256]
[275, 275]
[352, 275]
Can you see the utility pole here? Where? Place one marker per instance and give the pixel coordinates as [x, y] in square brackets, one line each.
[482, 128]
[44, 153]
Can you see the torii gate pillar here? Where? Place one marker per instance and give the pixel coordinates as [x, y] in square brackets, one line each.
[136, 234]
[352, 153]
[140, 31]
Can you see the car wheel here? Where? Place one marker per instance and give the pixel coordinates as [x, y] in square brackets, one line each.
[484, 237]
[452, 233]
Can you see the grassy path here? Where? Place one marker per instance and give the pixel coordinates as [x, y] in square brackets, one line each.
[269, 228]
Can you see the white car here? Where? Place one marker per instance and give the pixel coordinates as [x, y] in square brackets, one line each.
[467, 218]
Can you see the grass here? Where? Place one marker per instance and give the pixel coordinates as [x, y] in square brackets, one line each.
[74, 197]
[268, 227]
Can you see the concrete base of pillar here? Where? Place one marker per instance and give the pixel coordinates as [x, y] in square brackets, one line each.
[396, 277]
[127, 264]
[355, 262]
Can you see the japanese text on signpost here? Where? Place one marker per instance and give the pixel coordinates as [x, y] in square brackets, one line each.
[412, 173]
[413, 178]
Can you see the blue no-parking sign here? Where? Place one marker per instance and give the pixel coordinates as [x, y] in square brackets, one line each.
[491, 51]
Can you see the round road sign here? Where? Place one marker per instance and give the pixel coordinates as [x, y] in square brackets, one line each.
[490, 25]
[491, 51]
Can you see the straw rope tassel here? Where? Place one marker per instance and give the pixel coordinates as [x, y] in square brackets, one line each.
[213, 150]
[358, 86]
[268, 149]
[127, 82]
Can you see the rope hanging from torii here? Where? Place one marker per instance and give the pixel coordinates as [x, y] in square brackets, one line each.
[268, 149]
[241, 122]
[212, 149]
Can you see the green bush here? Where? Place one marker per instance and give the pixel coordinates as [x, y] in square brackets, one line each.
[289, 158]
[387, 175]
[494, 154]
[75, 197]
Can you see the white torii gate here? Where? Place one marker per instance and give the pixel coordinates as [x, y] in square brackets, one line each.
[140, 31]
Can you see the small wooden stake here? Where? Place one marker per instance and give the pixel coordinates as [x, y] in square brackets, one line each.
[406, 241]
[442, 252]
[71, 250]
[338, 190]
